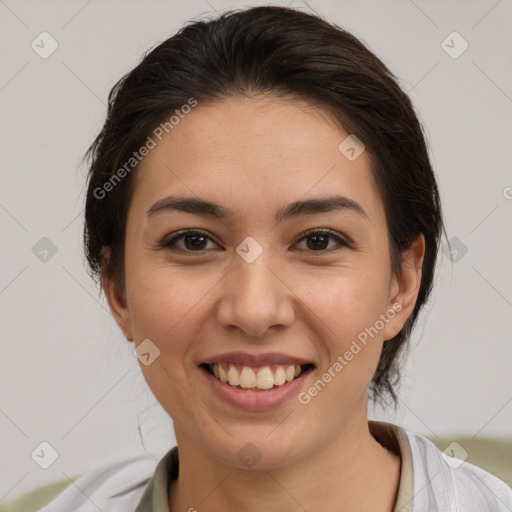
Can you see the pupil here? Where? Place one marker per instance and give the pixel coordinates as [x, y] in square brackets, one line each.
[194, 245]
[316, 238]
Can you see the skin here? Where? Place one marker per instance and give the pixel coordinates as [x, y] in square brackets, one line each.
[255, 155]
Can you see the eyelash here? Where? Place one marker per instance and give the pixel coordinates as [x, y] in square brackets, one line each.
[171, 244]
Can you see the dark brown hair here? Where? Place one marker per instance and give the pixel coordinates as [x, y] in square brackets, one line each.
[284, 52]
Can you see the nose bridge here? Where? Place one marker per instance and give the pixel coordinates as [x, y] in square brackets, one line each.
[256, 299]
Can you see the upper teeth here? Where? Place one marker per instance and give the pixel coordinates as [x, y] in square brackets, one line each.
[265, 378]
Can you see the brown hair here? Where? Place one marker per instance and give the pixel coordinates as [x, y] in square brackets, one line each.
[284, 52]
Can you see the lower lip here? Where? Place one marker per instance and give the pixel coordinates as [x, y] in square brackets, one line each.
[256, 400]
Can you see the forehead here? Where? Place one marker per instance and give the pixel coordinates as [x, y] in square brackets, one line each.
[267, 147]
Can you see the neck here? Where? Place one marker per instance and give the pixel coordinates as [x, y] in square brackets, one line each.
[352, 472]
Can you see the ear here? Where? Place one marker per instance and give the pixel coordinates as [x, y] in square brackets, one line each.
[115, 294]
[405, 287]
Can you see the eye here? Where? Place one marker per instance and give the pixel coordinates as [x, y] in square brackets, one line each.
[197, 241]
[319, 240]
[193, 241]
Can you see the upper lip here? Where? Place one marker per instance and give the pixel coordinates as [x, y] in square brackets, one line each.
[246, 359]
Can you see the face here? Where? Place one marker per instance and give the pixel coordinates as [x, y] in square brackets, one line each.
[252, 284]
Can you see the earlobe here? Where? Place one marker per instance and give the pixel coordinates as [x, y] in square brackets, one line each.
[116, 298]
[405, 287]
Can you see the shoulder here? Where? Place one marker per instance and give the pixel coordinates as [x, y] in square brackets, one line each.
[113, 485]
[448, 483]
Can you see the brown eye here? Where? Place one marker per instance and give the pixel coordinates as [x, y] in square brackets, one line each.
[193, 241]
[197, 241]
[318, 241]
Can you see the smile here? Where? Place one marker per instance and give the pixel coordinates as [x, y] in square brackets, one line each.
[255, 379]
[254, 382]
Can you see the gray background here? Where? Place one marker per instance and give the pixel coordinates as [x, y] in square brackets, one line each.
[68, 376]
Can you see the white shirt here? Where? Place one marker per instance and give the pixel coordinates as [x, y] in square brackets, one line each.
[430, 481]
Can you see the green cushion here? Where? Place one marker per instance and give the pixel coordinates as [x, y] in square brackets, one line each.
[37, 498]
[493, 455]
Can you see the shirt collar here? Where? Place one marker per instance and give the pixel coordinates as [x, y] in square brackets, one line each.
[156, 495]
[392, 437]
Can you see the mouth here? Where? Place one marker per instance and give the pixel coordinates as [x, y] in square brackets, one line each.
[257, 378]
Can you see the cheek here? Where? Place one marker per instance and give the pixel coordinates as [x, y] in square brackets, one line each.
[165, 304]
[347, 304]
[169, 307]
[347, 309]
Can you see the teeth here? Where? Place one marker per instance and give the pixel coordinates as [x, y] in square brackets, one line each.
[222, 374]
[264, 378]
[290, 373]
[247, 378]
[279, 376]
[233, 376]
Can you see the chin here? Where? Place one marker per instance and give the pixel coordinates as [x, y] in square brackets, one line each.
[258, 450]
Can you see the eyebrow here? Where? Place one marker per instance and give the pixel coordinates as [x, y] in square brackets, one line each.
[207, 208]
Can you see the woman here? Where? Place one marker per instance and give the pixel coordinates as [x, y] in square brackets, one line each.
[264, 220]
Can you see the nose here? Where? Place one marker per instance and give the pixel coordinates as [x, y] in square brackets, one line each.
[256, 298]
